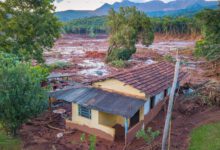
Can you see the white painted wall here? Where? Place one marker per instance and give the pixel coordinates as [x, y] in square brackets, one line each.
[159, 97]
[147, 106]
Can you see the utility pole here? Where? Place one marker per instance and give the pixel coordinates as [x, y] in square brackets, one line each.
[170, 106]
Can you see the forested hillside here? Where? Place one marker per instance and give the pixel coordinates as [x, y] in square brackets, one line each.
[86, 25]
[167, 25]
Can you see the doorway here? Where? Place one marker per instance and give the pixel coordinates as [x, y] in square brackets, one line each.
[152, 102]
[135, 119]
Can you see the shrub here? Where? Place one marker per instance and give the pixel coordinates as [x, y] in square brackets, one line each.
[119, 63]
[120, 54]
[83, 137]
[169, 58]
[59, 65]
[92, 140]
[148, 135]
[22, 96]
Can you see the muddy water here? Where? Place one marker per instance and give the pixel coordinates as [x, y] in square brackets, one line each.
[72, 47]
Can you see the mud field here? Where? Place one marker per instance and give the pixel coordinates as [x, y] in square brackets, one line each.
[85, 57]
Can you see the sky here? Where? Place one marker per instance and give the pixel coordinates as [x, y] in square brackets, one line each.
[87, 4]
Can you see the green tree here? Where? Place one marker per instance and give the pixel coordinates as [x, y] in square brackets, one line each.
[27, 28]
[127, 27]
[209, 46]
[22, 96]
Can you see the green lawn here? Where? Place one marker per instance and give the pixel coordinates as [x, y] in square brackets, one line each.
[206, 137]
[8, 143]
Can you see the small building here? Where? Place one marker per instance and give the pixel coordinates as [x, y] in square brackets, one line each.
[117, 106]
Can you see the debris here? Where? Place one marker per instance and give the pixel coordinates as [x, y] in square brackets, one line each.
[150, 61]
[59, 111]
[59, 135]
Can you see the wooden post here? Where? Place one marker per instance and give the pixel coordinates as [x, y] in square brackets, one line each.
[170, 106]
[126, 126]
[50, 108]
[126, 129]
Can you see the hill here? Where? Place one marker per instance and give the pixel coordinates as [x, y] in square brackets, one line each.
[154, 8]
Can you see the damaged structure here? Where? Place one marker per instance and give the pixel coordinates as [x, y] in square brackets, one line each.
[117, 106]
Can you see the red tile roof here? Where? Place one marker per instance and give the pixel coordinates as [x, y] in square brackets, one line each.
[151, 79]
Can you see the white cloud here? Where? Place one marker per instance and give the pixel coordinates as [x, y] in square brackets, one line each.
[81, 4]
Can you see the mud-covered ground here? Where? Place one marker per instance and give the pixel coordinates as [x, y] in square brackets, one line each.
[42, 133]
[86, 58]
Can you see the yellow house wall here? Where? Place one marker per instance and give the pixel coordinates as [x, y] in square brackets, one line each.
[110, 120]
[92, 123]
[119, 87]
[141, 114]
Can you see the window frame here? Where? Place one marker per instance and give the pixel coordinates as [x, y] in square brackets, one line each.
[84, 112]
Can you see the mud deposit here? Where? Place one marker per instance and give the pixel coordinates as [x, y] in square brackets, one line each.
[86, 58]
[86, 55]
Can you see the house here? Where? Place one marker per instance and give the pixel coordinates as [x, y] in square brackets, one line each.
[122, 102]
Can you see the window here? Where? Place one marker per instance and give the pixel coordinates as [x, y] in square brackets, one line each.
[84, 112]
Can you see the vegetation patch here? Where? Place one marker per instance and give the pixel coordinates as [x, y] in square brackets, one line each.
[206, 137]
[149, 135]
[119, 63]
[127, 27]
[169, 58]
[58, 65]
[7, 142]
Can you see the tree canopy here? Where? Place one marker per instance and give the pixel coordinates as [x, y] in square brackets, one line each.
[22, 96]
[86, 25]
[209, 46]
[27, 27]
[127, 27]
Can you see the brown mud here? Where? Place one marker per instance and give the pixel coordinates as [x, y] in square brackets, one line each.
[37, 134]
[80, 51]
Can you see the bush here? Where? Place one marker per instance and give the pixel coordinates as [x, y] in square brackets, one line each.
[208, 50]
[59, 65]
[148, 136]
[22, 96]
[120, 54]
[119, 63]
[92, 140]
[169, 58]
[83, 137]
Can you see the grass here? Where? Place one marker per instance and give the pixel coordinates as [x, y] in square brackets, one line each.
[8, 142]
[206, 137]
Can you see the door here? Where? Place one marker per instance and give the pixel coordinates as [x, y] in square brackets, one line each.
[135, 119]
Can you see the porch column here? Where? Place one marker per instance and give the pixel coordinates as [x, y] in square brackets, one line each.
[126, 126]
